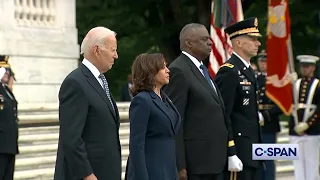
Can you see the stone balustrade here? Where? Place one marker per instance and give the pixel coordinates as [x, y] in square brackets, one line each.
[35, 13]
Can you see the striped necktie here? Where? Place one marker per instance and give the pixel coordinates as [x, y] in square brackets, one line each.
[207, 77]
[106, 88]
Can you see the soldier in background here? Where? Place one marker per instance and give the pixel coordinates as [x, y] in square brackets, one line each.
[304, 128]
[270, 125]
[8, 125]
[254, 67]
[126, 95]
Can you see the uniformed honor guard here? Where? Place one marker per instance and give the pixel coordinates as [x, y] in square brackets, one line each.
[8, 125]
[237, 83]
[271, 112]
[304, 126]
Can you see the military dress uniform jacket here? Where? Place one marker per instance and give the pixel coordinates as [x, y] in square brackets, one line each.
[8, 122]
[268, 108]
[238, 88]
[307, 88]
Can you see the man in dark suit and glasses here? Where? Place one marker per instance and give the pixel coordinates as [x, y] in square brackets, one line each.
[237, 84]
[204, 141]
[89, 146]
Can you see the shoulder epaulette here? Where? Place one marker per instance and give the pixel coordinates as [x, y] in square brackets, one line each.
[227, 65]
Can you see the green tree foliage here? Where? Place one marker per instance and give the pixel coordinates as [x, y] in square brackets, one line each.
[154, 26]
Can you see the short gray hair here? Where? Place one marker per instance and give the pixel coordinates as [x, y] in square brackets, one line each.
[186, 33]
[96, 36]
[187, 29]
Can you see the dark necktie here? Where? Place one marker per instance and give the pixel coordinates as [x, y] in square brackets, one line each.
[106, 88]
[207, 76]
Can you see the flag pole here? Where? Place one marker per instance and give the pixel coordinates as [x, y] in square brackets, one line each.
[223, 24]
[290, 53]
[319, 54]
[294, 90]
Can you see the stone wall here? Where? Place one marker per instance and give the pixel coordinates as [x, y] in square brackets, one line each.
[40, 36]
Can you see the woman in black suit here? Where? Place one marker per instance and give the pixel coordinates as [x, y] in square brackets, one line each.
[154, 122]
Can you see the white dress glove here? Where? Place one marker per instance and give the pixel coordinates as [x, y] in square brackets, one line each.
[293, 77]
[2, 72]
[261, 119]
[301, 127]
[234, 163]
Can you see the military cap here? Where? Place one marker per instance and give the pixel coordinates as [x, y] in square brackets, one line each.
[246, 27]
[4, 61]
[262, 56]
[308, 59]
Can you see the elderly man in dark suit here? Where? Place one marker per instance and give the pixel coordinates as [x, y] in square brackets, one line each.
[89, 146]
[8, 125]
[204, 143]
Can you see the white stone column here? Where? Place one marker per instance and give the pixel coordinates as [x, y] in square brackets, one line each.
[40, 36]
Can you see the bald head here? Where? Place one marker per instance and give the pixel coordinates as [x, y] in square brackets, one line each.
[96, 36]
[195, 40]
[188, 32]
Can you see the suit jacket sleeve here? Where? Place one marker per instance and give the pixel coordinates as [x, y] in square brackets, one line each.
[177, 90]
[139, 113]
[72, 116]
[226, 81]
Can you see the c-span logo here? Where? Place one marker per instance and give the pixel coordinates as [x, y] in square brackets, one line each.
[275, 151]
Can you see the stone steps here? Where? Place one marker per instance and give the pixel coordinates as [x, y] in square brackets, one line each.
[38, 148]
[39, 174]
[35, 174]
[39, 162]
[49, 162]
[38, 130]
